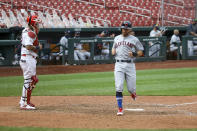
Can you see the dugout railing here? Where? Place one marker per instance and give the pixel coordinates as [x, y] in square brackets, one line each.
[97, 57]
[8, 49]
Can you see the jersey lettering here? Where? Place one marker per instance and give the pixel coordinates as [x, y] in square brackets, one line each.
[124, 43]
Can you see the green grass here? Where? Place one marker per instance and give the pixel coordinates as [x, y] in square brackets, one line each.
[69, 129]
[179, 82]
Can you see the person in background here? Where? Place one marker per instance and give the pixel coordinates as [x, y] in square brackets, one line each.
[101, 49]
[79, 52]
[64, 42]
[174, 40]
[154, 48]
[192, 31]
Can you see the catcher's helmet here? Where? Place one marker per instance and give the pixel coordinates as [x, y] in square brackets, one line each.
[32, 20]
[126, 25]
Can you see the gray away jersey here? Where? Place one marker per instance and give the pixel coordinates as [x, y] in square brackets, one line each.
[124, 45]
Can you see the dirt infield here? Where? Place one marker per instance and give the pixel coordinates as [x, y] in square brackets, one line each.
[100, 112]
[156, 112]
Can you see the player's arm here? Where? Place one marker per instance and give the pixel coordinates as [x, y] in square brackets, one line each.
[139, 48]
[113, 51]
[193, 33]
[33, 48]
[136, 54]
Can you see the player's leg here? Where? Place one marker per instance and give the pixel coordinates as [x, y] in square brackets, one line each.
[30, 80]
[105, 52]
[158, 49]
[81, 55]
[76, 55]
[119, 84]
[190, 48]
[150, 49]
[87, 54]
[131, 80]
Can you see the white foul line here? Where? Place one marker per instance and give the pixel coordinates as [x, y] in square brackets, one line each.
[165, 105]
[137, 109]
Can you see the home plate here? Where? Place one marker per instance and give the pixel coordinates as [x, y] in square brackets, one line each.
[137, 109]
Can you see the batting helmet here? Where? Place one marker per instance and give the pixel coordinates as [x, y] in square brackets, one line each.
[126, 25]
[32, 20]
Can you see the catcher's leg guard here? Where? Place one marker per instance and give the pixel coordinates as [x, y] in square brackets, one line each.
[29, 98]
[34, 81]
[26, 86]
[26, 95]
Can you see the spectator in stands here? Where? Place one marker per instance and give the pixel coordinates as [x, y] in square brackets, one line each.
[79, 52]
[174, 40]
[192, 31]
[154, 48]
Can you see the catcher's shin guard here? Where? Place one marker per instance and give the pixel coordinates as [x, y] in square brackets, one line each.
[29, 98]
[26, 94]
[34, 80]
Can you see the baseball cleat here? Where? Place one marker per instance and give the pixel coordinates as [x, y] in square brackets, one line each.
[27, 107]
[120, 112]
[133, 96]
[31, 104]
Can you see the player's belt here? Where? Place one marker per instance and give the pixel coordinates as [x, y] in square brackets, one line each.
[128, 61]
[29, 55]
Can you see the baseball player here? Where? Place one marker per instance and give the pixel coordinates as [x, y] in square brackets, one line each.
[29, 50]
[79, 52]
[174, 40]
[125, 48]
[64, 42]
[154, 48]
[192, 31]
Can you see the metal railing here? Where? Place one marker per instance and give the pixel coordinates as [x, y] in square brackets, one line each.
[42, 6]
[91, 3]
[170, 4]
[94, 19]
[5, 3]
[183, 18]
[136, 8]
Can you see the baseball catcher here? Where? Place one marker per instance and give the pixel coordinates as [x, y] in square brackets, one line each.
[29, 50]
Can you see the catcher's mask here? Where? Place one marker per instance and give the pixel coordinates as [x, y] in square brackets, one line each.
[33, 20]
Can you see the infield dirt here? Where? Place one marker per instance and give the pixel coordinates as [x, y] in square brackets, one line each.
[100, 111]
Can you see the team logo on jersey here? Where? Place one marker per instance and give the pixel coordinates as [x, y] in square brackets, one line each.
[124, 43]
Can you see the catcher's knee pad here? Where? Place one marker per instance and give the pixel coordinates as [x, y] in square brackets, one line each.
[27, 83]
[34, 80]
[119, 94]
